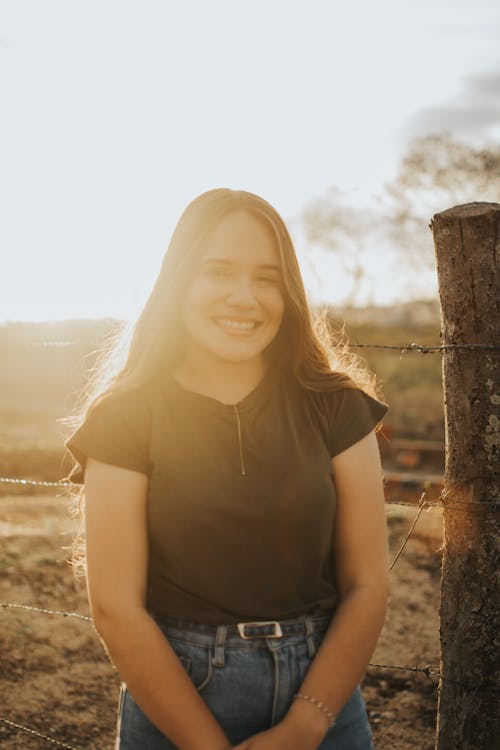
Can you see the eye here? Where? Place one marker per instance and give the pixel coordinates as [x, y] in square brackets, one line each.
[217, 272]
[266, 278]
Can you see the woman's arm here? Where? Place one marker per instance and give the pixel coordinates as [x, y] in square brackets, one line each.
[361, 562]
[116, 541]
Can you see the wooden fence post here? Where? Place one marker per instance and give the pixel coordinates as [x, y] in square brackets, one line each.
[467, 243]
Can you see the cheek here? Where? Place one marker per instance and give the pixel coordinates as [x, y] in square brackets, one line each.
[191, 309]
[198, 296]
[276, 304]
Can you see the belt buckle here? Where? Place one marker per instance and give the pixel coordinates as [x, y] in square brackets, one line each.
[278, 633]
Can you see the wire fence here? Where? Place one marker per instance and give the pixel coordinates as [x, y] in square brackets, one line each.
[412, 347]
[34, 733]
[446, 500]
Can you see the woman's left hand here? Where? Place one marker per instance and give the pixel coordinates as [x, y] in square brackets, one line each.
[280, 737]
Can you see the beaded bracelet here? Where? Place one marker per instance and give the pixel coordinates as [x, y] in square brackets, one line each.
[320, 705]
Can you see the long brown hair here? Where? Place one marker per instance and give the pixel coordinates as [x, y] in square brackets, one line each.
[303, 348]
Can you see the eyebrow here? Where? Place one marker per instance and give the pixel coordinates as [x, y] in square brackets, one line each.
[224, 262]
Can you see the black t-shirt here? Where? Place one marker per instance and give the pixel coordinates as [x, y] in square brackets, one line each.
[241, 500]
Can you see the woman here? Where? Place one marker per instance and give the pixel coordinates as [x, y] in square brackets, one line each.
[235, 526]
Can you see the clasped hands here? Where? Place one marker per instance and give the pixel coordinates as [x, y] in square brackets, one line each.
[287, 735]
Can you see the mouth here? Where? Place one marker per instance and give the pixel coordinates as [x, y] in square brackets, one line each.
[236, 326]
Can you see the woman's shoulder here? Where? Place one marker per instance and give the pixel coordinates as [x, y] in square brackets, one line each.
[346, 414]
[350, 398]
[116, 430]
[135, 400]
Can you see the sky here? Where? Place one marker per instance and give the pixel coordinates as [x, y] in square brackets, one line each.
[116, 113]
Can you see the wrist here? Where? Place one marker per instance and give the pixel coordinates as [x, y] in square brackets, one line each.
[306, 719]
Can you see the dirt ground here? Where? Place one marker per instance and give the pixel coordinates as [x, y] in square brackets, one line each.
[55, 679]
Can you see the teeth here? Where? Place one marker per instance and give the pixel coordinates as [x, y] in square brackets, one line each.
[240, 325]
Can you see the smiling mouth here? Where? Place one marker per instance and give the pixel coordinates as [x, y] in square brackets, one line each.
[229, 324]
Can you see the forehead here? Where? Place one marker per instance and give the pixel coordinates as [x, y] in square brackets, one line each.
[242, 237]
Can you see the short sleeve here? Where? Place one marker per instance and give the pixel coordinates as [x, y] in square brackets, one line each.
[352, 414]
[117, 432]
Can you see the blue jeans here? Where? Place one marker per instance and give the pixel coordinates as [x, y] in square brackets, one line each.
[248, 685]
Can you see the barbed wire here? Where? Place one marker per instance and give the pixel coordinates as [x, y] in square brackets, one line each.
[40, 610]
[412, 347]
[67, 484]
[428, 670]
[46, 344]
[55, 344]
[409, 503]
[37, 734]
[421, 505]
[426, 349]
[35, 482]
[444, 500]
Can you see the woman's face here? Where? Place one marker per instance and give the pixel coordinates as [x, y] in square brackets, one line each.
[234, 304]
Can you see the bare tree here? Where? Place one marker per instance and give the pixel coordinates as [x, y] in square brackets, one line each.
[437, 171]
[341, 228]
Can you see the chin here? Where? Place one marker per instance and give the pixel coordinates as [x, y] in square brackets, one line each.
[238, 357]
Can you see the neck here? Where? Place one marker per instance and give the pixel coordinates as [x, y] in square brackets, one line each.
[228, 382]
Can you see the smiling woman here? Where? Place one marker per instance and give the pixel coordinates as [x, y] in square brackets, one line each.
[235, 524]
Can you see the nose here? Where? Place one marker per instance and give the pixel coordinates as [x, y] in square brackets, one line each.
[241, 293]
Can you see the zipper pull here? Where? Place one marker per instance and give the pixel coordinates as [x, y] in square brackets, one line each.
[240, 444]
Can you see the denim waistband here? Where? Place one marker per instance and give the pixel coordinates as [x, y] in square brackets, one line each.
[250, 629]
[248, 635]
